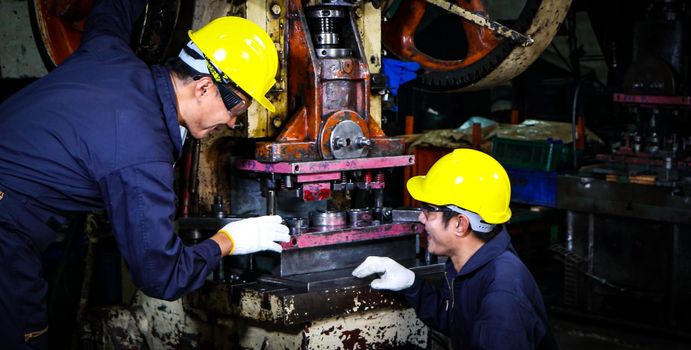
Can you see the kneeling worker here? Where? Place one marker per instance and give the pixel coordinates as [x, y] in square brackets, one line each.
[489, 299]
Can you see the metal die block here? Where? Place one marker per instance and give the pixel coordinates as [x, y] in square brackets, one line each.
[341, 248]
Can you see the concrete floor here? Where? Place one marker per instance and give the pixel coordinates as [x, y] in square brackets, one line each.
[572, 333]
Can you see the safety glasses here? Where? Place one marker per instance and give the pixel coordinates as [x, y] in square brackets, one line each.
[430, 208]
[235, 100]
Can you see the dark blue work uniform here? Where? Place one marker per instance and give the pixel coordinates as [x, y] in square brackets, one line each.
[99, 132]
[492, 303]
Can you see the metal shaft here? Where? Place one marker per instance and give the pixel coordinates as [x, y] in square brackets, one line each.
[484, 21]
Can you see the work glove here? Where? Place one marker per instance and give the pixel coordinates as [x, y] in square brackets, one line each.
[392, 275]
[256, 234]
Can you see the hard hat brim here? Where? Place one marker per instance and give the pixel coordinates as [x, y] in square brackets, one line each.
[265, 102]
[415, 185]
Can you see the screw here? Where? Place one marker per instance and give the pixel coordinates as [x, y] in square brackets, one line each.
[276, 9]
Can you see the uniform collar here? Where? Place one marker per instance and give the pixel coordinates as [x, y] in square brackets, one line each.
[166, 93]
[490, 250]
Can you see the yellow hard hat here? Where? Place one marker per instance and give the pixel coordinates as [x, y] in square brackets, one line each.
[243, 51]
[469, 179]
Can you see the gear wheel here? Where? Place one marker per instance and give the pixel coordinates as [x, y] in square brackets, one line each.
[58, 27]
[489, 61]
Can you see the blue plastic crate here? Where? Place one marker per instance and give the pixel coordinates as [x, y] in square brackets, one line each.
[533, 187]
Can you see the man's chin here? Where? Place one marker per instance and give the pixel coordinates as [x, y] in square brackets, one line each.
[203, 133]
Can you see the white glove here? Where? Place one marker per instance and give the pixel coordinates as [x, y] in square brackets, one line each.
[392, 275]
[256, 234]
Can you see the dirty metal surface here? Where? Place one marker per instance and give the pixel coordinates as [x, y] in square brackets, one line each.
[156, 324]
[321, 87]
[327, 166]
[399, 36]
[598, 196]
[316, 237]
[542, 29]
[338, 247]
[147, 323]
[336, 256]
[375, 329]
[307, 151]
[281, 304]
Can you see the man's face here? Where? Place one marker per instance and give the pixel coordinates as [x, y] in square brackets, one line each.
[440, 236]
[211, 112]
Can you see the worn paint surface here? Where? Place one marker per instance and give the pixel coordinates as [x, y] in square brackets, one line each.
[349, 235]
[147, 323]
[19, 56]
[260, 316]
[326, 166]
[544, 27]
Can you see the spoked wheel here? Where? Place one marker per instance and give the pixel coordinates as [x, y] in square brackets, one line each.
[58, 26]
[468, 57]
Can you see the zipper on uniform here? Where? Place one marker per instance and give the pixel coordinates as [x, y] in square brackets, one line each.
[450, 284]
[446, 277]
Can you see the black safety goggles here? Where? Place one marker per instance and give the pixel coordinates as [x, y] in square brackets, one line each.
[230, 93]
[429, 208]
[234, 103]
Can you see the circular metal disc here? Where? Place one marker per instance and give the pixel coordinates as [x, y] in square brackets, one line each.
[343, 140]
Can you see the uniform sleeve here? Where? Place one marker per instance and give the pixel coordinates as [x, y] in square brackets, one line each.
[430, 303]
[505, 321]
[113, 18]
[141, 204]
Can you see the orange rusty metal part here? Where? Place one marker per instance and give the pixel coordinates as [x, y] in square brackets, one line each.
[331, 123]
[322, 92]
[281, 151]
[398, 35]
[296, 129]
[60, 23]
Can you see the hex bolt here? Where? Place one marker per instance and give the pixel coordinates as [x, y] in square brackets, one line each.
[276, 9]
[362, 142]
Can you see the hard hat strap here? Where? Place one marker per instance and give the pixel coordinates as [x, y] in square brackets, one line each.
[476, 222]
[217, 74]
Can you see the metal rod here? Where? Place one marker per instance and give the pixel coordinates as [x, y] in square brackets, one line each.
[270, 202]
[483, 21]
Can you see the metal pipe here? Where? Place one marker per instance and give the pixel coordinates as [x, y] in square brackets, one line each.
[270, 202]
[193, 180]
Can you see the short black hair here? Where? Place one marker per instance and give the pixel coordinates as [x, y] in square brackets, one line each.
[182, 71]
[483, 236]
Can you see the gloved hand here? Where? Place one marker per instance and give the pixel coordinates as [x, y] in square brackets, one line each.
[256, 234]
[392, 275]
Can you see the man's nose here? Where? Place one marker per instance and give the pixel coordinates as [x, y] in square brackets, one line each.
[422, 217]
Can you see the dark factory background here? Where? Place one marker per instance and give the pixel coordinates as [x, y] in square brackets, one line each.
[601, 196]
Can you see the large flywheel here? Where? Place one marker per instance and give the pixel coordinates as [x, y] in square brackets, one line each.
[58, 27]
[471, 57]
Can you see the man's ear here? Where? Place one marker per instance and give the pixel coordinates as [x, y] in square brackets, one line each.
[462, 227]
[203, 86]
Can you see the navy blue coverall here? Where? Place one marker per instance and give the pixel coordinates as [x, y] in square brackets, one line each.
[492, 303]
[99, 132]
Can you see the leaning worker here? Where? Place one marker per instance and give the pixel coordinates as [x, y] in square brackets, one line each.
[489, 299]
[102, 131]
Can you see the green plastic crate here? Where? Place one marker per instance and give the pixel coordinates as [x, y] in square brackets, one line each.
[546, 155]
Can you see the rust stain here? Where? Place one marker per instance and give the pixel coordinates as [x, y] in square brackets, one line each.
[352, 340]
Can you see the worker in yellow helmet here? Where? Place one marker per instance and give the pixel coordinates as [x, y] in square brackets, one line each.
[489, 299]
[101, 132]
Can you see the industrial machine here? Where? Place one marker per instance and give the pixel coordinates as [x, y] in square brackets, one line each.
[628, 210]
[331, 157]
[320, 161]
